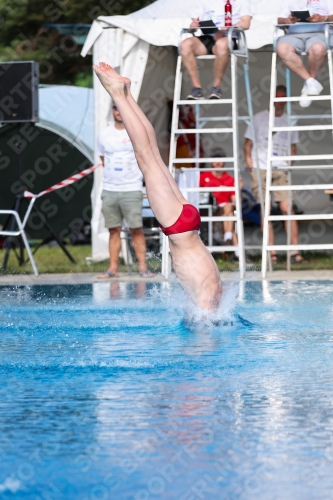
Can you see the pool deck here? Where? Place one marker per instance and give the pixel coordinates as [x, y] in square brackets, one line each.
[89, 278]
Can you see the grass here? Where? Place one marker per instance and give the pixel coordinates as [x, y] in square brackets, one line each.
[53, 260]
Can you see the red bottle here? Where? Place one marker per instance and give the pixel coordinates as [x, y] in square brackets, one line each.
[228, 14]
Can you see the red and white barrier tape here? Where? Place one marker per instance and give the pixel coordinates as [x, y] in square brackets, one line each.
[66, 182]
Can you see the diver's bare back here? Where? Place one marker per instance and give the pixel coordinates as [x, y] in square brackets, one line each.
[196, 270]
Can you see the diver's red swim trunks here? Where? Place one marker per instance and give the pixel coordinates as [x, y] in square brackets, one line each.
[189, 220]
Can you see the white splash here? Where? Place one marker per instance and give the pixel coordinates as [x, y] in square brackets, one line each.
[10, 484]
[176, 299]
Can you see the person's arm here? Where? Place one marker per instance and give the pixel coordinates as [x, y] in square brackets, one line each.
[294, 139]
[316, 18]
[100, 147]
[246, 13]
[285, 16]
[241, 186]
[288, 20]
[230, 182]
[244, 22]
[293, 151]
[201, 180]
[248, 145]
[195, 23]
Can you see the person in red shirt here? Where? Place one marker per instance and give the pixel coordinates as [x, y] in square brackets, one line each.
[224, 200]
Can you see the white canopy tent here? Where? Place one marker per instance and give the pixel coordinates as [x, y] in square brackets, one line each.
[142, 46]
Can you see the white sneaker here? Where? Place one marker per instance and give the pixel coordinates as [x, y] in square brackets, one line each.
[310, 87]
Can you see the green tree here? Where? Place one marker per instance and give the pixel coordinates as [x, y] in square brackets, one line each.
[23, 37]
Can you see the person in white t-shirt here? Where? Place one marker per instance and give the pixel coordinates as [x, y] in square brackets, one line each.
[122, 193]
[279, 177]
[291, 46]
[216, 44]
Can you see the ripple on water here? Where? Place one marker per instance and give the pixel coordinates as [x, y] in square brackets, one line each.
[105, 393]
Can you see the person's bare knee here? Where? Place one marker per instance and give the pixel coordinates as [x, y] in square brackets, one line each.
[145, 158]
[284, 50]
[136, 231]
[192, 47]
[228, 209]
[220, 48]
[317, 51]
[114, 231]
[186, 48]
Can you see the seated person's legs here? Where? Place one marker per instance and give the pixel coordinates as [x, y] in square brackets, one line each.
[316, 51]
[290, 48]
[190, 49]
[227, 210]
[221, 51]
[199, 46]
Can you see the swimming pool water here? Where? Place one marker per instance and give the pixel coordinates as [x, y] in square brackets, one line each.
[106, 395]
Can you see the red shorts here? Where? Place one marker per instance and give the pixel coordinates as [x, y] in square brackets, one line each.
[189, 220]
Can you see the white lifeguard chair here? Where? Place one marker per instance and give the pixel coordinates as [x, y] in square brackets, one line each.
[241, 52]
[292, 121]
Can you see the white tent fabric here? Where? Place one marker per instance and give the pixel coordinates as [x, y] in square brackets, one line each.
[125, 42]
[161, 22]
[129, 54]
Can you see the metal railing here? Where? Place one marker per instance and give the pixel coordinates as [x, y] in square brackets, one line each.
[240, 51]
[292, 126]
[20, 231]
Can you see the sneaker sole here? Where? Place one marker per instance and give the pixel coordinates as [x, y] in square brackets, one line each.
[318, 92]
[212, 97]
[191, 98]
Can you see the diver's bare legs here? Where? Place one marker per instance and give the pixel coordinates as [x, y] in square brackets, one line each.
[153, 143]
[162, 198]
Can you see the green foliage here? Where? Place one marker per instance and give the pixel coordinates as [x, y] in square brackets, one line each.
[23, 37]
[84, 79]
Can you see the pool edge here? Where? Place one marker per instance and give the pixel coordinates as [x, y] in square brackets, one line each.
[90, 278]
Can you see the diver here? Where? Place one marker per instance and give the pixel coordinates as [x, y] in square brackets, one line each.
[193, 264]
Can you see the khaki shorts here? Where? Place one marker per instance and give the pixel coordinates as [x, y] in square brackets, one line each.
[279, 178]
[120, 205]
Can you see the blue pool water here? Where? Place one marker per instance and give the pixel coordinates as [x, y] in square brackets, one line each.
[105, 394]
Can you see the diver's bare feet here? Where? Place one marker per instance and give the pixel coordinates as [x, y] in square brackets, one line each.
[110, 79]
[109, 69]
